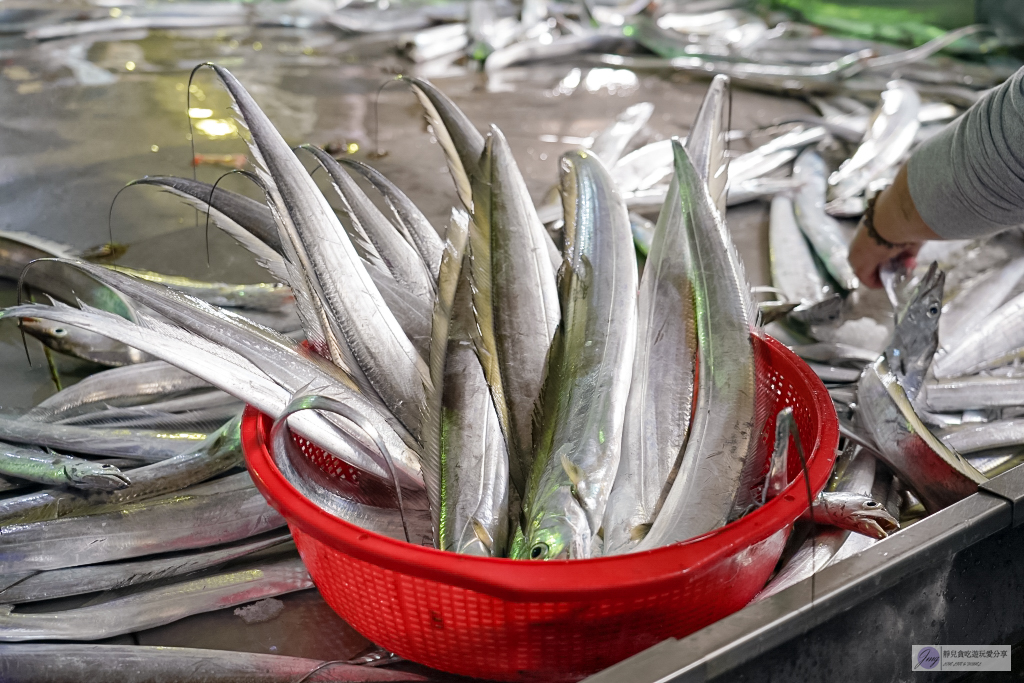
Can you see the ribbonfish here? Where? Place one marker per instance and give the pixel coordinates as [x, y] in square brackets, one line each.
[794, 270]
[515, 298]
[712, 471]
[969, 310]
[73, 663]
[115, 387]
[938, 475]
[821, 229]
[583, 402]
[474, 457]
[996, 342]
[854, 474]
[973, 393]
[146, 445]
[351, 302]
[220, 511]
[260, 296]
[888, 137]
[54, 469]
[660, 401]
[158, 606]
[220, 452]
[60, 583]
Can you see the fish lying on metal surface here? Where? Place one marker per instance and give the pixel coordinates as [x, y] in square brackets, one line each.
[216, 512]
[147, 445]
[115, 387]
[885, 393]
[855, 512]
[73, 662]
[854, 474]
[158, 606]
[582, 405]
[887, 138]
[60, 583]
[220, 452]
[822, 230]
[54, 469]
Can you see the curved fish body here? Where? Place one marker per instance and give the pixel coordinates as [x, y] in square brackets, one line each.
[213, 363]
[474, 458]
[116, 387]
[248, 213]
[61, 583]
[277, 356]
[79, 343]
[399, 256]
[784, 78]
[158, 606]
[583, 403]
[408, 218]
[888, 137]
[72, 663]
[981, 437]
[352, 311]
[54, 469]
[794, 270]
[835, 353]
[660, 401]
[822, 230]
[221, 511]
[973, 393]
[392, 516]
[524, 296]
[200, 401]
[969, 310]
[714, 462]
[260, 296]
[146, 445]
[937, 474]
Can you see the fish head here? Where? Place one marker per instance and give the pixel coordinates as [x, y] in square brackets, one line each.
[561, 535]
[858, 512]
[916, 334]
[95, 475]
[75, 341]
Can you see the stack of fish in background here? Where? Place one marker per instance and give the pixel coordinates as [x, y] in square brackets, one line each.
[500, 395]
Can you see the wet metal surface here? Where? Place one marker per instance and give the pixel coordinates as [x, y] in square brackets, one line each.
[79, 120]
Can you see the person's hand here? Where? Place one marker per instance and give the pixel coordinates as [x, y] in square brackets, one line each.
[899, 233]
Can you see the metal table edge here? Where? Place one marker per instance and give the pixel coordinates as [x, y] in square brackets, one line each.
[761, 626]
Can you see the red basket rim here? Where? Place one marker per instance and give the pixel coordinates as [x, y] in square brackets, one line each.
[557, 580]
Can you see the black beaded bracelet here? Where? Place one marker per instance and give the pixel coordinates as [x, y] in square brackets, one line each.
[869, 224]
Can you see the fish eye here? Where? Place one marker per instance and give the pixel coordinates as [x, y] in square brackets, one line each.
[539, 551]
[60, 332]
[933, 310]
[871, 504]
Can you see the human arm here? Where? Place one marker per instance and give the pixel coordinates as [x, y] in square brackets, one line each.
[965, 182]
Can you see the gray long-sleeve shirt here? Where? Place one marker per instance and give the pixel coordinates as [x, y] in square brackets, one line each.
[968, 180]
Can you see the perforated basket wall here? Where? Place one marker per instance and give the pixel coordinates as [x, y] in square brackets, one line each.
[561, 620]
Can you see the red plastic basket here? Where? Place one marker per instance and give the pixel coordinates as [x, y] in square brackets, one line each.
[558, 620]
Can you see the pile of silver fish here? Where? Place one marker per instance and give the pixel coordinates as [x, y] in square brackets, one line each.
[562, 381]
[499, 395]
